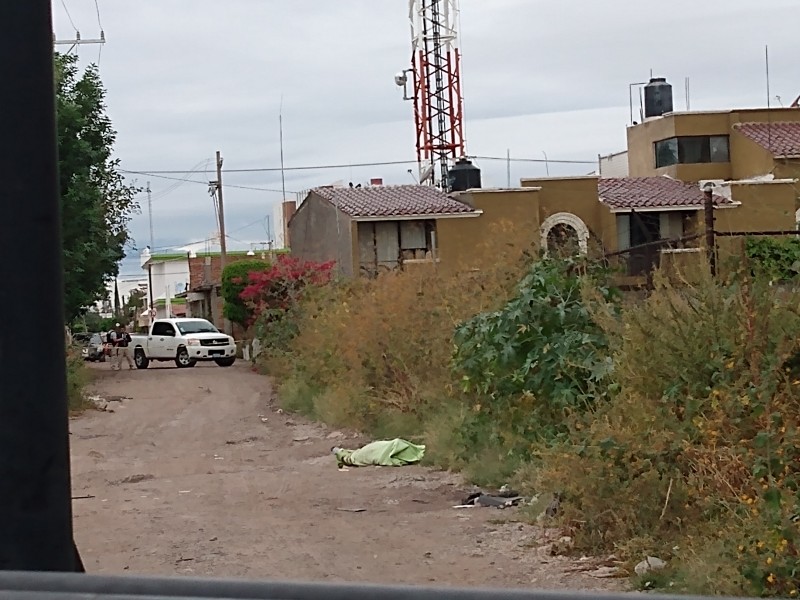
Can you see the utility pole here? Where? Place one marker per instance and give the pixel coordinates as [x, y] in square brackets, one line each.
[711, 242]
[78, 41]
[152, 304]
[283, 169]
[221, 215]
[116, 298]
[150, 212]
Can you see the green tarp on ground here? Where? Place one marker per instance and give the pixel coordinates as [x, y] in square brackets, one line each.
[387, 453]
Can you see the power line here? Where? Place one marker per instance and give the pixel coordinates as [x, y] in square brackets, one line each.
[305, 168]
[69, 16]
[205, 183]
[537, 160]
[210, 239]
[371, 164]
[97, 10]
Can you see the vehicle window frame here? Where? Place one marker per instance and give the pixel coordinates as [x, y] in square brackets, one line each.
[213, 327]
[168, 329]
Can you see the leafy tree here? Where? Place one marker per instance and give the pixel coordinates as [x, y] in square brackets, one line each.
[133, 304]
[96, 202]
[235, 278]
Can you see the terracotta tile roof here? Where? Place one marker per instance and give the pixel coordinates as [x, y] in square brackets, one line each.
[651, 192]
[392, 201]
[782, 138]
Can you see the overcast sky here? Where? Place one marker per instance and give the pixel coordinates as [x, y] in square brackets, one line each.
[188, 77]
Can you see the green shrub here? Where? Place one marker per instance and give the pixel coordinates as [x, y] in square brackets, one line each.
[776, 258]
[235, 278]
[529, 365]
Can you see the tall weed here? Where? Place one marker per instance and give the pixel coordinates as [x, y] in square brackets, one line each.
[77, 380]
[698, 448]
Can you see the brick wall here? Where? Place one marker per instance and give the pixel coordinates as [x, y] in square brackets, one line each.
[200, 275]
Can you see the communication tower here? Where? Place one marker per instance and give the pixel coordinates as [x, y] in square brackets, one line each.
[437, 93]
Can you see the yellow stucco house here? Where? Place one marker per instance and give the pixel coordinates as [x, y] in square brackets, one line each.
[655, 200]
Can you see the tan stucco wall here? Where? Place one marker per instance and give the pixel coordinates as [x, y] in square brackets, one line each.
[578, 196]
[320, 232]
[788, 169]
[510, 221]
[764, 207]
[641, 155]
[747, 158]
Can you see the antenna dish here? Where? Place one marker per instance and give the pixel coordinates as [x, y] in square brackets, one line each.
[401, 79]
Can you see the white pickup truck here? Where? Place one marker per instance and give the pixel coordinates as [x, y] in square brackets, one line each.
[185, 341]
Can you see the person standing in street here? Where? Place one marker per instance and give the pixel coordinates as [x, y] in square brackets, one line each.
[123, 340]
[111, 338]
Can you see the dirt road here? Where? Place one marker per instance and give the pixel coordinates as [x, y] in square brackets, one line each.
[195, 472]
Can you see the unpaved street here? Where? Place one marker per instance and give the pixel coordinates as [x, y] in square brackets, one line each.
[195, 472]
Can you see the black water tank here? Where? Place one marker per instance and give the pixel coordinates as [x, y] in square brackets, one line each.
[464, 176]
[657, 98]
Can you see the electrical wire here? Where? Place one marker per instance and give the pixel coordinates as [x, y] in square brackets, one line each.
[97, 10]
[69, 16]
[210, 239]
[171, 188]
[372, 164]
[304, 168]
[538, 160]
[205, 183]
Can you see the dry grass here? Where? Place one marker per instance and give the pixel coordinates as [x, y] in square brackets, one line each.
[695, 457]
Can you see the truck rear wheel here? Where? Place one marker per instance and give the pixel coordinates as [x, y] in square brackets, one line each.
[183, 360]
[139, 359]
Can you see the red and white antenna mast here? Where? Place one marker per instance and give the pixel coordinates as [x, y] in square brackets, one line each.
[438, 101]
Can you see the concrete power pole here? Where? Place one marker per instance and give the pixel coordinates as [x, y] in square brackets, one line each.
[220, 207]
[78, 41]
[150, 213]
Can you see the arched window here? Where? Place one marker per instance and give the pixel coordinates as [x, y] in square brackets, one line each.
[565, 232]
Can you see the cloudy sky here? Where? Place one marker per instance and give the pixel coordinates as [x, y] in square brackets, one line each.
[188, 77]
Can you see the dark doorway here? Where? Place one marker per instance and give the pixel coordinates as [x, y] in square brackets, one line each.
[645, 229]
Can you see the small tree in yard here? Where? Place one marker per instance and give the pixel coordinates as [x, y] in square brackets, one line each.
[235, 278]
[272, 293]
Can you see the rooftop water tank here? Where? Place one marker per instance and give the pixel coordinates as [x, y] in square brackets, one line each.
[657, 98]
[464, 176]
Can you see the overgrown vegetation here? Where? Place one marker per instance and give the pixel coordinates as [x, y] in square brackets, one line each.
[668, 426]
[535, 362]
[776, 258]
[695, 457]
[235, 278]
[273, 297]
[77, 379]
